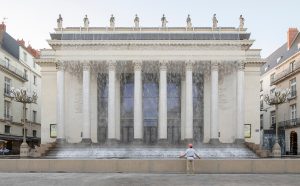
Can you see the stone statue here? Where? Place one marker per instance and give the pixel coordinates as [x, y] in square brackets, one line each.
[59, 21]
[164, 21]
[188, 22]
[215, 21]
[112, 21]
[242, 22]
[86, 21]
[136, 21]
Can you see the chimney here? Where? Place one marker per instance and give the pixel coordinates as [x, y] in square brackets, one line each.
[291, 34]
[2, 27]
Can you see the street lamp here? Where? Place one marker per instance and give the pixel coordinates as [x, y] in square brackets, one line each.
[276, 98]
[22, 96]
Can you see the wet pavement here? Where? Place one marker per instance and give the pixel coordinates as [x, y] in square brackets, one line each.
[111, 179]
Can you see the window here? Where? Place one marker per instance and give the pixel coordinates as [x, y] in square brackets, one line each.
[25, 56]
[6, 62]
[6, 109]
[261, 121]
[292, 66]
[7, 129]
[34, 116]
[34, 79]
[293, 87]
[25, 74]
[261, 102]
[278, 59]
[7, 83]
[273, 117]
[34, 133]
[261, 85]
[272, 78]
[293, 111]
[34, 65]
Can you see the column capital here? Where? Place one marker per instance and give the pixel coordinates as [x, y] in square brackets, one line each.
[163, 65]
[60, 65]
[241, 65]
[86, 65]
[189, 65]
[214, 65]
[137, 65]
[111, 65]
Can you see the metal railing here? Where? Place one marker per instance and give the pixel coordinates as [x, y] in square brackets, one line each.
[290, 123]
[13, 69]
[286, 71]
[8, 117]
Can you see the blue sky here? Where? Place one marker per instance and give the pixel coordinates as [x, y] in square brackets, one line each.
[267, 20]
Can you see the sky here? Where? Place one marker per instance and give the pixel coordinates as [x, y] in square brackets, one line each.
[266, 20]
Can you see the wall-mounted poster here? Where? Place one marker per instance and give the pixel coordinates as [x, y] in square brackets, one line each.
[53, 131]
[247, 130]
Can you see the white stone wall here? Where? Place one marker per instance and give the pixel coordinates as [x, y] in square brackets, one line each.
[252, 94]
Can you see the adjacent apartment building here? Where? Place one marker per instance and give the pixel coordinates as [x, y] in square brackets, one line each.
[282, 71]
[18, 69]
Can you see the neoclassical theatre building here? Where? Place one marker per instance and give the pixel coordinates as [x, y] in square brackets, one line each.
[150, 85]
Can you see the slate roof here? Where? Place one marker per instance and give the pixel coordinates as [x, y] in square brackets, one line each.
[283, 53]
[10, 45]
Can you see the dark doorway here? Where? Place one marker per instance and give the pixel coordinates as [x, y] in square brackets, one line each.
[293, 143]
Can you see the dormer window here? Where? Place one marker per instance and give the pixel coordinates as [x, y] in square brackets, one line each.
[278, 59]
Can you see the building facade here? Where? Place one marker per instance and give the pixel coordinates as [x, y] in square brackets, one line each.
[281, 71]
[18, 69]
[150, 85]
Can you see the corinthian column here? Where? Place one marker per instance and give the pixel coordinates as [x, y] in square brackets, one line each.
[60, 102]
[111, 102]
[86, 137]
[214, 114]
[240, 103]
[189, 101]
[138, 107]
[162, 125]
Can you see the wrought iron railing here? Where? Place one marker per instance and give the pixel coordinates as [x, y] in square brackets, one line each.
[286, 71]
[8, 117]
[289, 123]
[13, 69]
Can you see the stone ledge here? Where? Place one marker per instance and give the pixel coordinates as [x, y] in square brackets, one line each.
[247, 166]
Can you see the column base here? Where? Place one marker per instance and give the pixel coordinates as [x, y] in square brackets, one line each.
[163, 142]
[86, 141]
[239, 141]
[214, 141]
[24, 150]
[61, 140]
[137, 142]
[112, 142]
[276, 150]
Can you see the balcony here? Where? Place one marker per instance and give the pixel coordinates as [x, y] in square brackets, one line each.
[13, 70]
[293, 95]
[290, 123]
[8, 117]
[286, 73]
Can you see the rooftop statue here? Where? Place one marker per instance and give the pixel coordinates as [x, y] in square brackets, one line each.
[242, 22]
[215, 21]
[112, 21]
[164, 21]
[59, 21]
[136, 21]
[86, 21]
[189, 22]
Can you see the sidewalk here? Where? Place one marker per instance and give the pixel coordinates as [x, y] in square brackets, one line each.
[78, 179]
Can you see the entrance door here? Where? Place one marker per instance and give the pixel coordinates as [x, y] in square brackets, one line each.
[293, 143]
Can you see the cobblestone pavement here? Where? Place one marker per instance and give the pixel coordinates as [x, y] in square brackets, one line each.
[111, 179]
